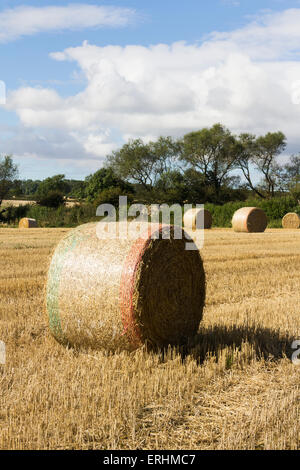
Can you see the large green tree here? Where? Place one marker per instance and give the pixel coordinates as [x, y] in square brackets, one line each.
[261, 153]
[245, 161]
[170, 188]
[212, 151]
[144, 163]
[56, 183]
[30, 187]
[268, 147]
[290, 175]
[8, 174]
[103, 180]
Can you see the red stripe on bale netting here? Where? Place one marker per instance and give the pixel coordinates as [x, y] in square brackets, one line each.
[127, 285]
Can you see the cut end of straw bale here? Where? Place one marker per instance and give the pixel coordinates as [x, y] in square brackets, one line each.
[250, 220]
[291, 220]
[27, 223]
[197, 219]
[121, 293]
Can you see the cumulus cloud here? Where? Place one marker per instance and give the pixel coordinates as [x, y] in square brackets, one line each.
[246, 79]
[271, 36]
[27, 20]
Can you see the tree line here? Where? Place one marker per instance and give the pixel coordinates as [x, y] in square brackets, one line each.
[209, 165]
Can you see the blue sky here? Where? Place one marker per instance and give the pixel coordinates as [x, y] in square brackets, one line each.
[26, 60]
[71, 99]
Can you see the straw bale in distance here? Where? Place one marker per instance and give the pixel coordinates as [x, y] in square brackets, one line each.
[121, 293]
[291, 220]
[249, 219]
[197, 218]
[27, 223]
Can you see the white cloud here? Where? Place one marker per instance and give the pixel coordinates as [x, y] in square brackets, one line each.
[271, 36]
[26, 20]
[2, 92]
[242, 79]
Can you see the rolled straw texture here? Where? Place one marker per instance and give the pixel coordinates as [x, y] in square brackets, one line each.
[121, 293]
[291, 220]
[249, 219]
[197, 218]
[27, 223]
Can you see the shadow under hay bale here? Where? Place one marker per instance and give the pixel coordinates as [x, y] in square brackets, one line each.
[122, 293]
[249, 220]
[212, 341]
[291, 220]
[27, 223]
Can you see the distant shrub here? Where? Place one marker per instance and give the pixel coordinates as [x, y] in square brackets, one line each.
[52, 199]
[63, 216]
[13, 214]
[274, 208]
[111, 196]
[222, 215]
[103, 180]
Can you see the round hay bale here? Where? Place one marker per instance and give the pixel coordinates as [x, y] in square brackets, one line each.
[197, 218]
[120, 293]
[249, 219]
[27, 223]
[291, 220]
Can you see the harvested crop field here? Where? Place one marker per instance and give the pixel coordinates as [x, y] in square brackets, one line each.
[235, 387]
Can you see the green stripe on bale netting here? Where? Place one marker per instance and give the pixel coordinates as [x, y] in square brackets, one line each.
[57, 264]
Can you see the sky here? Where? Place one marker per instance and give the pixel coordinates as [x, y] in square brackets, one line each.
[80, 78]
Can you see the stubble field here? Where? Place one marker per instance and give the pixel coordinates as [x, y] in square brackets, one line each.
[235, 387]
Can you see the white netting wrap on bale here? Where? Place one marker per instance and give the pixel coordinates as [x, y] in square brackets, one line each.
[121, 293]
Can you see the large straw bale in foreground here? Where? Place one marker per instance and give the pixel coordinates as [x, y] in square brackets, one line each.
[27, 223]
[291, 220]
[197, 218]
[120, 293]
[249, 219]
